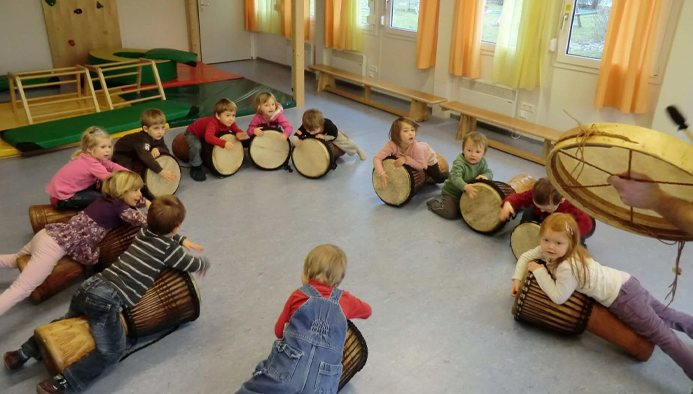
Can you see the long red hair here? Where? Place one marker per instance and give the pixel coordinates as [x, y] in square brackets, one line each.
[576, 255]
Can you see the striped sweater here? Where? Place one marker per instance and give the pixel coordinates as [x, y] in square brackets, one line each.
[137, 269]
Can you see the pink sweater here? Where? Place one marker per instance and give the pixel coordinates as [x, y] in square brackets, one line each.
[419, 156]
[79, 174]
[274, 122]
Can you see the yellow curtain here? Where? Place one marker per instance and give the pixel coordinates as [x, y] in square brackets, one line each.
[274, 16]
[427, 37]
[628, 49]
[465, 46]
[522, 49]
[343, 25]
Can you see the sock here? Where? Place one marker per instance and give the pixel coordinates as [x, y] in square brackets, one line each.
[59, 382]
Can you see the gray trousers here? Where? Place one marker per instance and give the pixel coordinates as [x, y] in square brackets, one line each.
[194, 148]
[446, 206]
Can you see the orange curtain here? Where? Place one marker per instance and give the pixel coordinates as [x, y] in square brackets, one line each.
[285, 14]
[465, 48]
[342, 25]
[427, 37]
[250, 16]
[253, 15]
[628, 49]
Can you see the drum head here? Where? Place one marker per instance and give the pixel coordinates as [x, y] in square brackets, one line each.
[481, 213]
[312, 159]
[270, 151]
[400, 184]
[609, 149]
[156, 184]
[227, 163]
[524, 237]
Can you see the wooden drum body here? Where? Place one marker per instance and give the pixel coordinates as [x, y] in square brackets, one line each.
[179, 147]
[154, 184]
[481, 213]
[271, 151]
[524, 237]
[355, 354]
[402, 184]
[522, 183]
[66, 272]
[41, 215]
[314, 158]
[115, 243]
[221, 162]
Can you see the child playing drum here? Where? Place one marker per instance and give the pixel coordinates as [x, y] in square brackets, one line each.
[468, 166]
[307, 357]
[316, 126]
[268, 115]
[103, 296]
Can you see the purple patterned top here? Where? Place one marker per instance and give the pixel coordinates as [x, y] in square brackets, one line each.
[80, 236]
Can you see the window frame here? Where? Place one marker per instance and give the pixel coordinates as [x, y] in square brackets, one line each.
[393, 32]
[487, 48]
[371, 20]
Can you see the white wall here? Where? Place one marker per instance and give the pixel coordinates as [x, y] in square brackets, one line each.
[24, 43]
[153, 24]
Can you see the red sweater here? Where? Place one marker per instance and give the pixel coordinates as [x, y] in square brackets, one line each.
[352, 307]
[526, 199]
[208, 128]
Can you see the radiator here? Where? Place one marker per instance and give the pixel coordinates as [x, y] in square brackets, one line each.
[308, 54]
[349, 61]
[488, 95]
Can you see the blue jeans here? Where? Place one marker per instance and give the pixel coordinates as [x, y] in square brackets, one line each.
[80, 200]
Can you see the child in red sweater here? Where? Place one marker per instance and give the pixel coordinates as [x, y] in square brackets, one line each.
[542, 201]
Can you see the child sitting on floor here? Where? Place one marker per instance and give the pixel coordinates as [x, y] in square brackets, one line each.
[146, 145]
[79, 238]
[102, 297]
[316, 126]
[74, 186]
[206, 129]
[268, 116]
[468, 166]
[311, 330]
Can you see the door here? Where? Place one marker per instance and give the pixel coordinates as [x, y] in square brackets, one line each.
[223, 37]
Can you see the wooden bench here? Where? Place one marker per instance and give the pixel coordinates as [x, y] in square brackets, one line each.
[420, 101]
[470, 115]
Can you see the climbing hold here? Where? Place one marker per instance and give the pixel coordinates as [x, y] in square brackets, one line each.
[98, 5]
[78, 11]
[71, 42]
[50, 2]
[105, 32]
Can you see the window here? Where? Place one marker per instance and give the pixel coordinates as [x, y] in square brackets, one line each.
[312, 9]
[365, 10]
[404, 15]
[491, 20]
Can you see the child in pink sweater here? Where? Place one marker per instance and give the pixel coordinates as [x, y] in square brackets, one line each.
[74, 187]
[404, 146]
[268, 115]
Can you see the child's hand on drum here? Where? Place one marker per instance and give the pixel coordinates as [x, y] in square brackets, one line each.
[283, 137]
[228, 146]
[383, 181]
[187, 244]
[156, 153]
[298, 142]
[471, 190]
[400, 161]
[482, 177]
[516, 287]
[505, 213]
[533, 265]
[242, 136]
[168, 175]
[259, 132]
[320, 136]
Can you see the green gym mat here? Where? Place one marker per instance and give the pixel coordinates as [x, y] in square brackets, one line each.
[66, 131]
[5, 83]
[175, 55]
[204, 96]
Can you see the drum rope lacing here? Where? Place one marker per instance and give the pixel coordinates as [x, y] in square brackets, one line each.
[582, 137]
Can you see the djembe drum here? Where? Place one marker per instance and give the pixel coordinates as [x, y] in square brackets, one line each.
[221, 162]
[315, 157]
[115, 243]
[481, 213]
[355, 354]
[179, 147]
[171, 301]
[65, 272]
[271, 151]
[524, 237]
[580, 312]
[154, 184]
[402, 184]
[41, 215]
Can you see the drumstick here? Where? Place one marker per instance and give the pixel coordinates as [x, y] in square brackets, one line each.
[680, 121]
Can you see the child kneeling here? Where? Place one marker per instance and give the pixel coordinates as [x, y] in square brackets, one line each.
[311, 330]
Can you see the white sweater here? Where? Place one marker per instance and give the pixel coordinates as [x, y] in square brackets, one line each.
[603, 285]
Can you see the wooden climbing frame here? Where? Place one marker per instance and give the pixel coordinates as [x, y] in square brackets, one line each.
[128, 68]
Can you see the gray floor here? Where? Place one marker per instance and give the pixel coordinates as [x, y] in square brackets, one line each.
[440, 293]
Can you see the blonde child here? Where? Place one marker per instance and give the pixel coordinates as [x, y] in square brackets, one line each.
[79, 238]
[575, 270]
[206, 129]
[102, 297]
[404, 146]
[316, 126]
[311, 330]
[542, 201]
[146, 145]
[74, 185]
[269, 114]
[468, 166]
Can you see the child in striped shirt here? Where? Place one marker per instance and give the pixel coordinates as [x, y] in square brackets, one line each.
[103, 296]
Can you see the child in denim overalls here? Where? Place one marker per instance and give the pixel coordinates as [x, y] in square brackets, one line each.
[307, 357]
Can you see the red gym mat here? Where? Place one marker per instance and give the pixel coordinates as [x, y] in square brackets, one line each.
[203, 73]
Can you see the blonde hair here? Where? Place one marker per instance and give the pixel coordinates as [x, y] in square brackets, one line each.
[325, 264]
[224, 105]
[396, 129]
[313, 119]
[576, 255]
[477, 139]
[165, 214]
[544, 193]
[263, 98]
[152, 116]
[120, 183]
[90, 139]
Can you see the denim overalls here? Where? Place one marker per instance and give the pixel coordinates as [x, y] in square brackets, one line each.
[309, 357]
